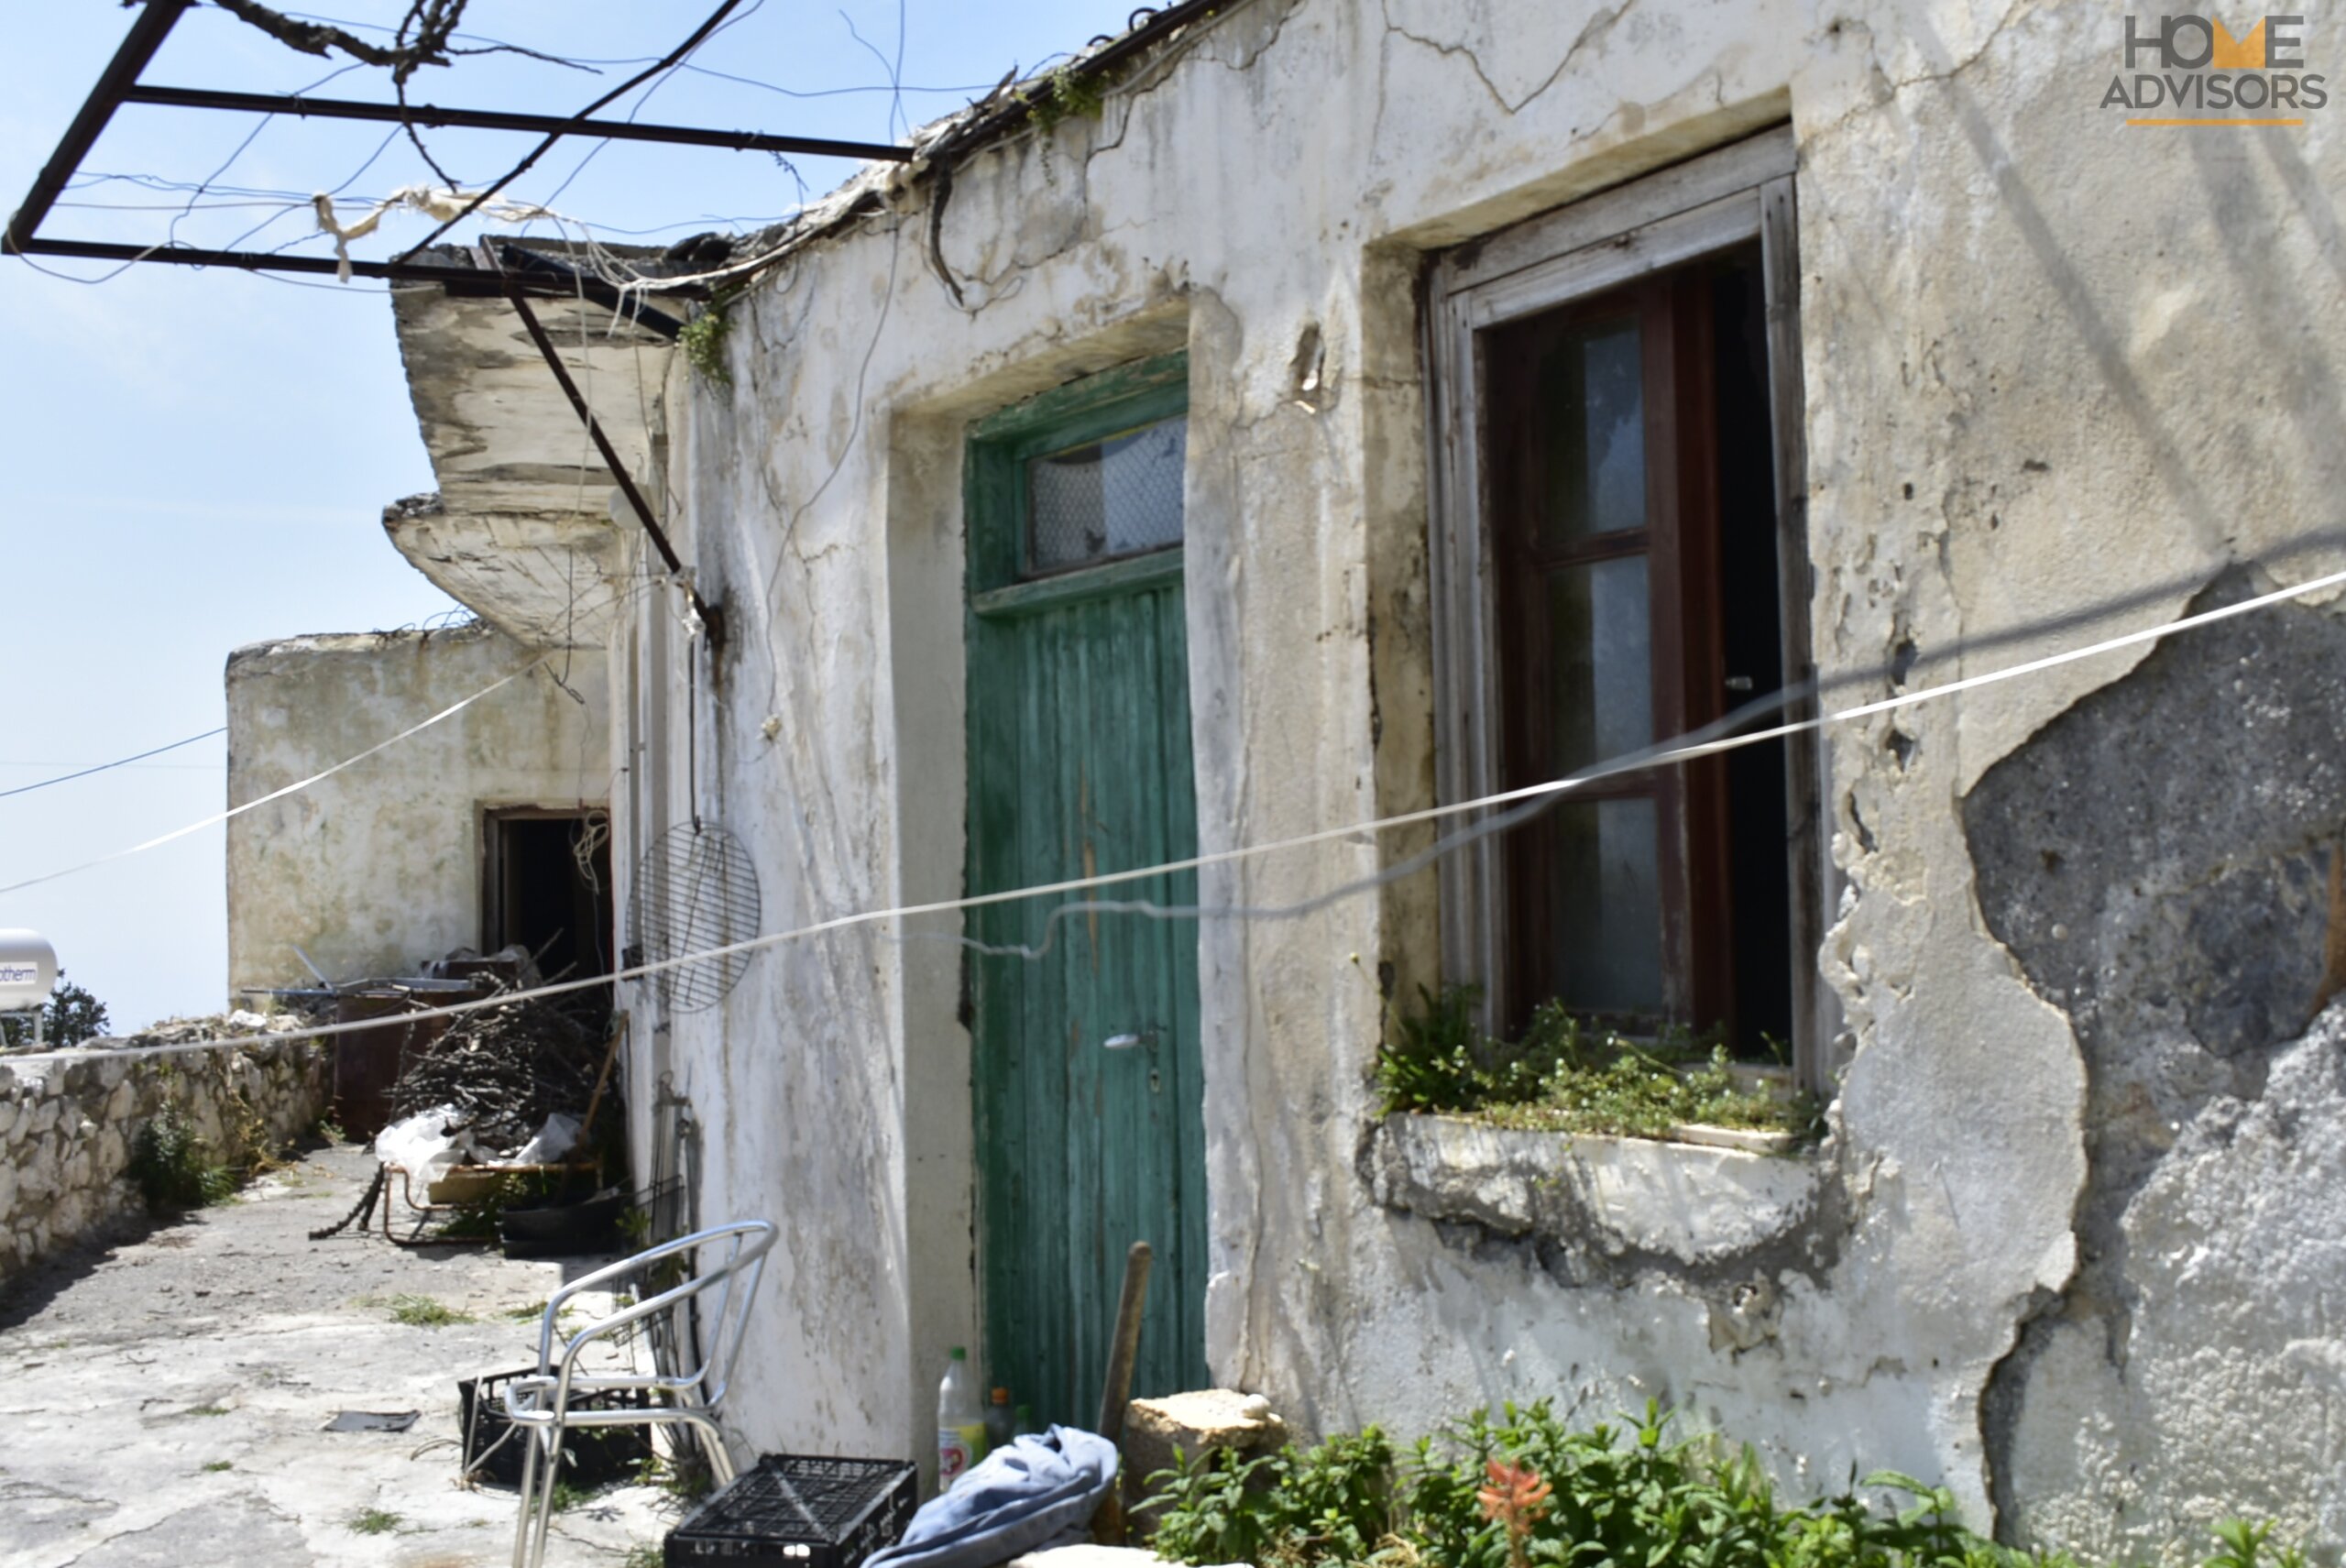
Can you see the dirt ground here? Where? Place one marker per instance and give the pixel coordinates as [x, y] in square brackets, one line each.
[164, 1399]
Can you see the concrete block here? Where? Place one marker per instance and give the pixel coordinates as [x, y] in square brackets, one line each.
[1192, 1422]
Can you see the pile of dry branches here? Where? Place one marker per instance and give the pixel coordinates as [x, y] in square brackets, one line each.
[509, 1068]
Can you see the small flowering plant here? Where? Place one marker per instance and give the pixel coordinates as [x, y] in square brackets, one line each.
[1515, 1499]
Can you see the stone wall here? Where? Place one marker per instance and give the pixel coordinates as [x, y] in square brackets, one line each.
[68, 1120]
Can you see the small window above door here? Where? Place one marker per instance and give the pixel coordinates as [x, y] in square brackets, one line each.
[1116, 497]
[1083, 484]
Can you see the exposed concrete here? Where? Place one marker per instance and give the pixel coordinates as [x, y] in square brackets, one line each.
[2160, 859]
[378, 869]
[69, 1122]
[523, 529]
[1620, 1199]
[228, 1340]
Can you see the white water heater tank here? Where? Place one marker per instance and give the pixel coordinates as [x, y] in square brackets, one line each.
[27, 971]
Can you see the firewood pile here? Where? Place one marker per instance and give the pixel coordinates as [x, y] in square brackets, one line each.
[509, 1068]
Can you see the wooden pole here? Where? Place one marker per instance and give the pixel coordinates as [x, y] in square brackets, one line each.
[1108, 1525]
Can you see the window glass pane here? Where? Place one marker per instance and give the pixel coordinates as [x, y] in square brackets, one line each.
[1607, 893]
[1600, 648]
[1117, 497]
[1592, 432]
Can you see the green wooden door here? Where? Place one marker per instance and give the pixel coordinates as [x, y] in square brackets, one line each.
[1088, 1085]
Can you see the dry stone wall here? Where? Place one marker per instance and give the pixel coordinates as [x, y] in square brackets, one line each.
[69, 1121]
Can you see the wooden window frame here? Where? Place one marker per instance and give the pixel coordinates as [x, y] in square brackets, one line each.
[1733, 197]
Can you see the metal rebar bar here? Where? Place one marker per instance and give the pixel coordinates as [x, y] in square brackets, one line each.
[139, 47]
[434, 117]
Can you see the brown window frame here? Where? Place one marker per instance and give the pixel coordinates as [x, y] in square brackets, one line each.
[1632, 245]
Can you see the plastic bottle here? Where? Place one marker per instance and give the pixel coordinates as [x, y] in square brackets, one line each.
[961, 1424]
[1001, 1424]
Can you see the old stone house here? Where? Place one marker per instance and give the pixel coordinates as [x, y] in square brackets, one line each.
[465, 833]
[1318, 412]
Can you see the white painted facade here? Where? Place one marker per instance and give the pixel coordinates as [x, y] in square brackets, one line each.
[2052, 364]
[376, 870]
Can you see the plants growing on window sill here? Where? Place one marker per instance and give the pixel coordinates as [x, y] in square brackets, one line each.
[1567, 1074]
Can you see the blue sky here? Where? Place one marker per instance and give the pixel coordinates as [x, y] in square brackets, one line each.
[192, 461]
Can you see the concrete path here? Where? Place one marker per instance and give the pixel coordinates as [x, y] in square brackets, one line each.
[160, 1403]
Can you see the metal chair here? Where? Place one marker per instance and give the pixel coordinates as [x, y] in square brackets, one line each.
[716, 1271]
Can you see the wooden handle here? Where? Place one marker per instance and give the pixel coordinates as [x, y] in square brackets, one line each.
[1108, 1525]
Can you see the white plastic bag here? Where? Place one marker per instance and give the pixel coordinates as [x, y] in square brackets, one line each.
[428, 1145]
[553, 1141]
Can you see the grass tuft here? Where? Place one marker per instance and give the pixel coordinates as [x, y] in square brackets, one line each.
[423, 1313]
[375, 1521]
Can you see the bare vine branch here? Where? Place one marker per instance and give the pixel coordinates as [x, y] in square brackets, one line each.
[430, 21]
[424, 37]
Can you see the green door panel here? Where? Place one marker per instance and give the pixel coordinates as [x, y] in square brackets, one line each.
[1087, 1080]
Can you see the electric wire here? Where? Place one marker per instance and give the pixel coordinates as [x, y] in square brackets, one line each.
[1689, 747]
[118, 762]
[293, 788]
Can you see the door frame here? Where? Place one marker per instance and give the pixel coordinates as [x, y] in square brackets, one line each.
[997, 594]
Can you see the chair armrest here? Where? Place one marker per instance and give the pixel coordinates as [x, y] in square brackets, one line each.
[751, 1240]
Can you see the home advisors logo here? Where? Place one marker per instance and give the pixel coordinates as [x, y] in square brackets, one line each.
[2197, 67]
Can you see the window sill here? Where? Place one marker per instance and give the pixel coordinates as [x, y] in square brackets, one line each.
[1697, 1202]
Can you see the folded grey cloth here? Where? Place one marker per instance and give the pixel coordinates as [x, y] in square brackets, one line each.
[1038, 1490]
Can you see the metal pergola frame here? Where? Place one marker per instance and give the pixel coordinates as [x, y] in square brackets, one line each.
[119, 83]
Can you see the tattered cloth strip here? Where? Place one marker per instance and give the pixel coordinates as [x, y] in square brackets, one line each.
[445, 204]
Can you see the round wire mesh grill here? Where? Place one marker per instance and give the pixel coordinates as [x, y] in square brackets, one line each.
[695, 890]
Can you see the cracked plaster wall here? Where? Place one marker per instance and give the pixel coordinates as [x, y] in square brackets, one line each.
[378, 869]
[2045, 369]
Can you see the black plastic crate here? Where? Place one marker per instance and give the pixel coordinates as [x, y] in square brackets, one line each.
[592, 1456]
[797, 1511]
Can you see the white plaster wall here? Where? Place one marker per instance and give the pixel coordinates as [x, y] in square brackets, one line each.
[2050, 362]
[377, 869]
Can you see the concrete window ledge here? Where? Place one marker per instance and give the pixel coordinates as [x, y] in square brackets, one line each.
[1686, 1203]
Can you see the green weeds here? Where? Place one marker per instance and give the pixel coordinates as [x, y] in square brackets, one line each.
[421, 1312]
[1568, 1075]
[173, 1168]
[374, 1521]
[688, 1481]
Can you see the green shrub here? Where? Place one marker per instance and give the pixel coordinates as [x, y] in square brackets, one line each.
[173, 1168]
[1333, 1504]
[1522, 1488]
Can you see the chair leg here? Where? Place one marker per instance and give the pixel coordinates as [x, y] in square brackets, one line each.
[712, 1447]
[550, 1477]
[529, 1436]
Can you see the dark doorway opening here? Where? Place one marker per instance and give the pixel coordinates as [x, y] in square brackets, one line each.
[546, 885]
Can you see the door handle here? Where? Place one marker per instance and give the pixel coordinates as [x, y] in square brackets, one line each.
[1127, 1041]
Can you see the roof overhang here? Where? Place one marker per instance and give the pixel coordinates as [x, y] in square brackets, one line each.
[522, 530]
